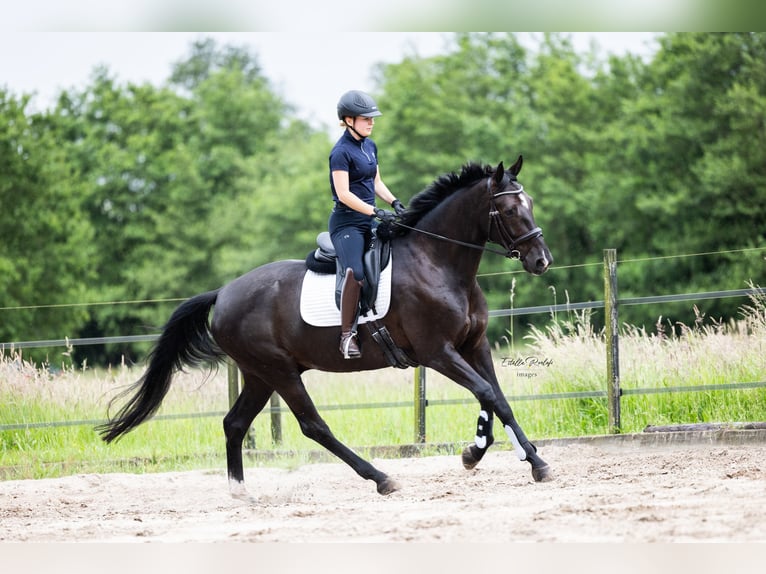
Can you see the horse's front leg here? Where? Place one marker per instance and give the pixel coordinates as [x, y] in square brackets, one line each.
[524, 448]
[481, 361]
[478, 376]
[484, 438]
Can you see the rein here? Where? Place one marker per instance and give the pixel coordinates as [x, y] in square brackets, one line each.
[506, 239]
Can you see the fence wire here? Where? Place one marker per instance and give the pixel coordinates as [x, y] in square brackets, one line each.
[66, 342]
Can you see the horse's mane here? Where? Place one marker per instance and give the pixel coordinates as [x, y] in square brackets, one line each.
[436, 192]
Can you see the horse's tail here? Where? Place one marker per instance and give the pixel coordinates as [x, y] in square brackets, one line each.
[185, 341]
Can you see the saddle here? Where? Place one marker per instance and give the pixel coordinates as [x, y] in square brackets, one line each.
[376, 257]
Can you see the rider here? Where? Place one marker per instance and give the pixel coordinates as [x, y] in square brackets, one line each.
[355, 181]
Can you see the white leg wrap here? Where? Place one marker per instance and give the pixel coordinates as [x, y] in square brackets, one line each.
[520, 452]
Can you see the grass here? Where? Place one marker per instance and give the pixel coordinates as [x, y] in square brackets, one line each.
[33, 395]
[567, 356]
[677, 356]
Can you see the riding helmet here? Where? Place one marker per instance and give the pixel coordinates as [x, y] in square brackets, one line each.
[356, 103]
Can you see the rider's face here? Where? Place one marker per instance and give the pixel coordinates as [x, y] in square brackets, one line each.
[362, 125]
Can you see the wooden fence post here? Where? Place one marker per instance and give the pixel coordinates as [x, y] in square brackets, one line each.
[276, 420]
[611, 323]
[233, 376]
[234, 379]
[420, 404]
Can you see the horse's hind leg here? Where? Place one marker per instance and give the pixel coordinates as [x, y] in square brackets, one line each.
[254, 396]
[294, 393]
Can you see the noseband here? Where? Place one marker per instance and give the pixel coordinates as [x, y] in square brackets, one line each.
[505, 238]
[507, 241]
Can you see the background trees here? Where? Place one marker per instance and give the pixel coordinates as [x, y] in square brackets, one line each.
[129, 192]
[47, 241]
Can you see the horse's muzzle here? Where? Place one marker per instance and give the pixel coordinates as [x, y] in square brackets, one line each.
[537, 260]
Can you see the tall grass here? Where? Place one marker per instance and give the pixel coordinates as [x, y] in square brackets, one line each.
[708, 352]
[568, 355]
[31, 395]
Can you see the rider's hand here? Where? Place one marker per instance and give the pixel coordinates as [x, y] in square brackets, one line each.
[398, 206]
[384, 215]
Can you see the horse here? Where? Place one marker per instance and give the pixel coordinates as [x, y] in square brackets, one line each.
[437, 318]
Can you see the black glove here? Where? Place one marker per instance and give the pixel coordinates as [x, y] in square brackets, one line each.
[383, 215]
[398, 207]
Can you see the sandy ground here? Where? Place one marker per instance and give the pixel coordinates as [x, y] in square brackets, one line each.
[702, 493]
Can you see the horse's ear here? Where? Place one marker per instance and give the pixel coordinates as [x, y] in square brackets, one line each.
[499, 174]
[516, 167]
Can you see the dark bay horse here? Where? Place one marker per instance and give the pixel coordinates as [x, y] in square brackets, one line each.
[437, 317]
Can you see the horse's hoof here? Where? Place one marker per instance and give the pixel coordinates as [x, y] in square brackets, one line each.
[542, 473]
[387, 486]
[238, 491]
[243, 495]
[469, 460]
[246, 498]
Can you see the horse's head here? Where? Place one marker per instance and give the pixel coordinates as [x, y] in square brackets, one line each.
[512, 223]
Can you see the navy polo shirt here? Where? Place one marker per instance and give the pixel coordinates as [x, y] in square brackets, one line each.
[360, 159]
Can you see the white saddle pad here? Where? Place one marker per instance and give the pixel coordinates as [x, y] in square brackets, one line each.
[318, 299]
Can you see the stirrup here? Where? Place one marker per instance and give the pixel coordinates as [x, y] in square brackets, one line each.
[349, 347]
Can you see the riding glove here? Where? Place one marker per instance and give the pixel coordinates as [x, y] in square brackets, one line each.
[398, 206]
[383, 215]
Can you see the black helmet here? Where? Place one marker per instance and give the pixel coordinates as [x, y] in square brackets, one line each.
[356, 103]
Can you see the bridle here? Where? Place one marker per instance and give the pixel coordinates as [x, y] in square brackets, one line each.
[506, 240]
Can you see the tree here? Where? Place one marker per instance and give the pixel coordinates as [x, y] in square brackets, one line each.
[47, 255]
[443, 111]
[185, 189]
[693, 163]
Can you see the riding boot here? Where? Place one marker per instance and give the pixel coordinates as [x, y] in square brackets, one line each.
[349, 313]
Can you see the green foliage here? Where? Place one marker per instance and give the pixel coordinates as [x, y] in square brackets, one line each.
[444, 111]
[654, 159]
[181, 190]
[47, 252]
